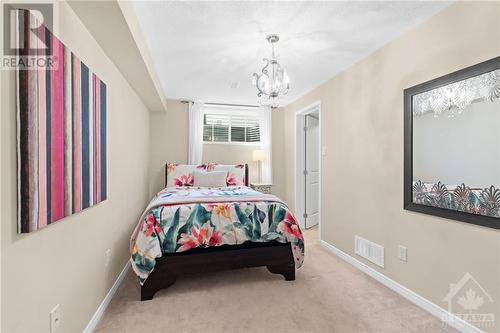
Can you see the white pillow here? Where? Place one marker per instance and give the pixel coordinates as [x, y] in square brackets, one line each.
[209, 179]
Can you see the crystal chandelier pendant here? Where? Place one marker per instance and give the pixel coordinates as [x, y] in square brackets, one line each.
[273, 81]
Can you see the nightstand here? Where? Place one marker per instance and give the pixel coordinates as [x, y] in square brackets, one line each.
[264, 188]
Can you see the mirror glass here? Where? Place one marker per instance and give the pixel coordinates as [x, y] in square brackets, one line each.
[456, 146]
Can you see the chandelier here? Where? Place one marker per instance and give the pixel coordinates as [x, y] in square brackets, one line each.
[274, 81]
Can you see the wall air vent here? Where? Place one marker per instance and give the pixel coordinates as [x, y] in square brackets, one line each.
[369, 250]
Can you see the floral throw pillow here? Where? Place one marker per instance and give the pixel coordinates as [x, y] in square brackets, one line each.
[235, 173]
[181, 174]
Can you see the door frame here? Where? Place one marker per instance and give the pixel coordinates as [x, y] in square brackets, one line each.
[299, 150]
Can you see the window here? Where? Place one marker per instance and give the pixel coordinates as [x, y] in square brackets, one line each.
[231, 126]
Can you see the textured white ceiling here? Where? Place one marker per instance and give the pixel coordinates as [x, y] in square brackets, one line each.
[201, 49]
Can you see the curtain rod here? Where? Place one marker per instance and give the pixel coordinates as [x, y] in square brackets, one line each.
[237, 105]
[225, 104]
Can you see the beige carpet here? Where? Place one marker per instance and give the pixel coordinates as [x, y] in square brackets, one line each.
[328, 295]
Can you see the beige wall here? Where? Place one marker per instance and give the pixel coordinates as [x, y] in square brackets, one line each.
[169, 143]
[362, 119]
[65, 263]
[232, 154]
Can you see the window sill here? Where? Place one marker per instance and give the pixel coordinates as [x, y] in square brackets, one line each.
[234, 143]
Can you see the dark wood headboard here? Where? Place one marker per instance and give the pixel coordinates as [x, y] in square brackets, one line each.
[246, 174]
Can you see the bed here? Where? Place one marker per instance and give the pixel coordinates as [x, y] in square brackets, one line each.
[189, 229]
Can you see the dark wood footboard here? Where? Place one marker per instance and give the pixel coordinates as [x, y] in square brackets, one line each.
[276, 256]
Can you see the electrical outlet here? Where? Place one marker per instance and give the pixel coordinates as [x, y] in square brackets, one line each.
[55, 318]
[107, 257]
[403, 253]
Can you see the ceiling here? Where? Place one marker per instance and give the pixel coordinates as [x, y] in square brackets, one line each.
[207, 51]
[111, 28]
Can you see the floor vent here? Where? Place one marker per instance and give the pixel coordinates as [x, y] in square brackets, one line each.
[369, 250]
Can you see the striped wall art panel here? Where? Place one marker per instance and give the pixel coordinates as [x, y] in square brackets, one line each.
[61, 134]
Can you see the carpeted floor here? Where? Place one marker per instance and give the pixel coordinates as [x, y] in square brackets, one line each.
[328, 295]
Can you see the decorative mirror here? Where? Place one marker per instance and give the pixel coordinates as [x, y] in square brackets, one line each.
[452, 145]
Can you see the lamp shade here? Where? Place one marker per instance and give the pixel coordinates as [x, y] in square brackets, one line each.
[259, 155]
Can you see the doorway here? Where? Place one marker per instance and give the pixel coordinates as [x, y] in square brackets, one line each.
[308, 165]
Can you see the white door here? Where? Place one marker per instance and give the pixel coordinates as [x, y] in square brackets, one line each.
[312, 159]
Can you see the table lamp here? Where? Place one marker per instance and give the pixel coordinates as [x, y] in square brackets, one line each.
[259, 155]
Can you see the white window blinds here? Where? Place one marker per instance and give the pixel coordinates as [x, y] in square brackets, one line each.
[234, 126]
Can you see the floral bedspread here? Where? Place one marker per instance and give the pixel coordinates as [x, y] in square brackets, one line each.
[182, 218]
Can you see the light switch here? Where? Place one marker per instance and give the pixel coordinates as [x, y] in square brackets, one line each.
[403, 253]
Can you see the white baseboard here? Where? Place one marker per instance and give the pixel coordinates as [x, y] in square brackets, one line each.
[105, 302]
[453, 321]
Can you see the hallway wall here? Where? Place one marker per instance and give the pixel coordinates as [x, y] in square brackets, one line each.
[362, 111]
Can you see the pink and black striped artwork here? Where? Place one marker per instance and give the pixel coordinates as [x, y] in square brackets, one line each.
[61, 134]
